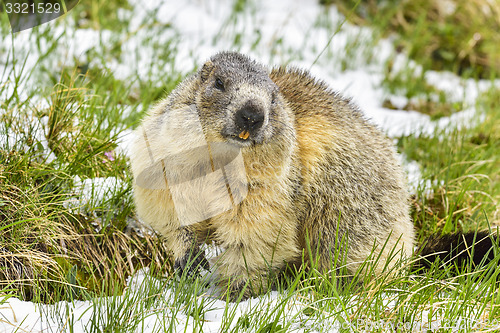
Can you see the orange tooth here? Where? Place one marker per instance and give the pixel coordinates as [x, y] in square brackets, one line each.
[244, 135]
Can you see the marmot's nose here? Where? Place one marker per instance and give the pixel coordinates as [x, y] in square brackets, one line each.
[249, 117]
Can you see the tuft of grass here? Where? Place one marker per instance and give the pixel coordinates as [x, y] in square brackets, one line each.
[461, 186]
[50, 249]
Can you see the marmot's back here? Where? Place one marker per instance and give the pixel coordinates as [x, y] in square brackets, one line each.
[352, 181]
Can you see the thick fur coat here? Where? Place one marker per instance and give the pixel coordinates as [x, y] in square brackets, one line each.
[314, 176]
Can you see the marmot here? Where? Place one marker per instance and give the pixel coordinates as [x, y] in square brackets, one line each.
[273, 166]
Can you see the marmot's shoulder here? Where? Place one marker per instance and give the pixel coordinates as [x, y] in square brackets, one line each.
[182, 96]
[309, 96]
[292, 79]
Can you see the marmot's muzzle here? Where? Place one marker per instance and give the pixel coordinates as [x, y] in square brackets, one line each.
[249, 119]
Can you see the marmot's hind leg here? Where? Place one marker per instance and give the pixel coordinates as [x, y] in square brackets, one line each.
[326, 250]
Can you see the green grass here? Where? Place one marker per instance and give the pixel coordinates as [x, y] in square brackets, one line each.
[81, 117]
[457, 35]
[52, 251]
[311, 301]
[462, 168]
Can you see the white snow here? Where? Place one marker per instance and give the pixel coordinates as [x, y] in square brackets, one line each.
[21, 316]
[275, 32]
[29, 317]
[93, 192]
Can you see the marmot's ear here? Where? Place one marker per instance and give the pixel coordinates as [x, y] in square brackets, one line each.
[206, 70]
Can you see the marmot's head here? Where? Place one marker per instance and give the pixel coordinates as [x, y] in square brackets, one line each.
[238, 102]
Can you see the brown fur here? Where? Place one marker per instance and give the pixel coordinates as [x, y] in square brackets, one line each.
[317, 173]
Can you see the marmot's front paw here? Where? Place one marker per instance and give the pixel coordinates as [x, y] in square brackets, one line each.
[191, 263]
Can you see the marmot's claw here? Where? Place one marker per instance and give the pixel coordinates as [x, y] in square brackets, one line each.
[191, 263]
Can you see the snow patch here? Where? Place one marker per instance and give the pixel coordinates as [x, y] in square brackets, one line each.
[94, 192]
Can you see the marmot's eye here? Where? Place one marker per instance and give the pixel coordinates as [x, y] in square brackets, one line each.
[273, 99]
[219, 84]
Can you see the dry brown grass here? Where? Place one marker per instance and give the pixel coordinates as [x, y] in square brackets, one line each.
[48, 249]
[51, 252]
